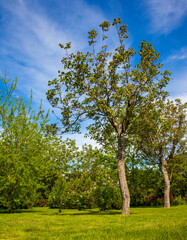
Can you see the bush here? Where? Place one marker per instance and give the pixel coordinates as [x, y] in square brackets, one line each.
[107, 192]
[76, 193]
[178, 201]
[57, 195]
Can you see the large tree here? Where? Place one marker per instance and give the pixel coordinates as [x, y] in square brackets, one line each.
[103, 87]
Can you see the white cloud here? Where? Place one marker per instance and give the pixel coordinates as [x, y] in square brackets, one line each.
[80, 140]
[178, 55]
[182, 97]
[30, 45]
[29, 48]
[166, 15]
[177, 63]
[178, 86]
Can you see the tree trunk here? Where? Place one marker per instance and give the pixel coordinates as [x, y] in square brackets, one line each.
[167, 186]
[122, 176]
[59, 206]
[10, 207]
[11, 202]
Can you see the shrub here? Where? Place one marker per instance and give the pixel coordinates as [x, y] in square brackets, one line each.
[107, 192]
[178, 201]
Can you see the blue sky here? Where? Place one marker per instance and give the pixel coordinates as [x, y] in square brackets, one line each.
[32, 29]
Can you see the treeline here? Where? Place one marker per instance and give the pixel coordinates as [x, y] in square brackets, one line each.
[39, 168]
[94, 183]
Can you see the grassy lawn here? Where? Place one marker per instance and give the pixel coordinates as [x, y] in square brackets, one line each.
[143, 223]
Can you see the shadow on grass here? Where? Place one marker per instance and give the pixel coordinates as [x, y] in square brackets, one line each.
[5, 211]
[86, 212]
[64, 212]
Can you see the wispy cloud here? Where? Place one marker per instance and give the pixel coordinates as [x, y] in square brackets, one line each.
[166, 15]
[30, 45]
[177, 63]
[178, 85]
[178, 55]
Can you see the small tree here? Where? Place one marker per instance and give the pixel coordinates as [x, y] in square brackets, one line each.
[100, 86]
[57, 195]
[163, 141]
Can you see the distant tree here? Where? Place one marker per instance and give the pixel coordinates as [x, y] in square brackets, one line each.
[101, 86]
[163, 142]
[58, 192]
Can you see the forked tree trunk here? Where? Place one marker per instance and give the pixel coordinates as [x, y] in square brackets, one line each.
[122, 177]
[166, 187]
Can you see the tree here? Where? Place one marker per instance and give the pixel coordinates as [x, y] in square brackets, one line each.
[57, 194]
[23, 153]
[163, 141]
[102, 87]
[179, 175]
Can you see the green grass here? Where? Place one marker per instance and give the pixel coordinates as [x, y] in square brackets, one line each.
[143, 223]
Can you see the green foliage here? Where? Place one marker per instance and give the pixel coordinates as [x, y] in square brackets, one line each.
[75, 192]
[178, 181]
[146, 186]
[61, 157]
[178, 201]
[79, 191]
[107, 191]
[57, 195]
[164, 137]
[92, 181]
[24, 149]
[163, 142]
[99, 86]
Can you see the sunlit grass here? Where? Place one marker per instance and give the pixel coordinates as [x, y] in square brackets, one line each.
[143, 223]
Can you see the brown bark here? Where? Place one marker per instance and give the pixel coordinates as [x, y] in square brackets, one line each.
[122, 176]
[10, 209]
[59, 206]
[167, 186]
[11, 202]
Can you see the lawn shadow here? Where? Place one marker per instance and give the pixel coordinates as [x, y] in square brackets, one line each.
[5, 211]
[65, 212]
[87, 212]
